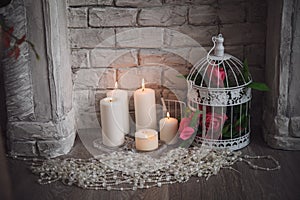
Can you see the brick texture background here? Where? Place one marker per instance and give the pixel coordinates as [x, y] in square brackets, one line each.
[109, 43]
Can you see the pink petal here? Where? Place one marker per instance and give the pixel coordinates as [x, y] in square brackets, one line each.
[186, 133]
[184, 123]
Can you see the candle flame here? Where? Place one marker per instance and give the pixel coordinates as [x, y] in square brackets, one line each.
[110, 100]
[168, 115]
[143, 84]
[116, 85]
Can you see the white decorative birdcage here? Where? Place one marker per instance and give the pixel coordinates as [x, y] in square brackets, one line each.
[218, 87]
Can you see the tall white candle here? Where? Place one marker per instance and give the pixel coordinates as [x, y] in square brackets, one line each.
[145, 110]
[122, 96]
[168, 127]
[112, 134]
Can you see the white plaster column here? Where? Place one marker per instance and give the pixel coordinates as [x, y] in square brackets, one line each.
[39, 92]
[281, 124]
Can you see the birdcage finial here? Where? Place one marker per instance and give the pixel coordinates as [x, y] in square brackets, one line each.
[219, 47]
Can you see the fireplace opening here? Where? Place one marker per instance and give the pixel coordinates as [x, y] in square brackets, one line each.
[87, 46]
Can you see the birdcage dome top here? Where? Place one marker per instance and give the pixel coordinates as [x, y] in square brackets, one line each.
[219, 70]
[219, 79]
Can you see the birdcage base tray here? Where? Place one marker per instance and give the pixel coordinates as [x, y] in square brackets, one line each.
[232, 144]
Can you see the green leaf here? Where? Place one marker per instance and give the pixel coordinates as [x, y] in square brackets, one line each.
[195, 119]
[188, 142]
[37, 56]
[194, 125]
[239, 121]
[246, 70]
[225, 129]
[259, 86]
[181, 76]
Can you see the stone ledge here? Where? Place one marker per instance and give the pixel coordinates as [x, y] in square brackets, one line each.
[30, 138]
[47, 148]
[23, 148]
[281, 132]
[285, 143]
[54, 148]
[295, 126]
[41, 130]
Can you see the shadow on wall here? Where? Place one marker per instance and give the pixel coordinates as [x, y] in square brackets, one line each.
[5, 184]
[3, 115]
[4, 3]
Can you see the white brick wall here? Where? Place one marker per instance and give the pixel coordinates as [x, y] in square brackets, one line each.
[80, 58]
[94, 78]
[155, 40]
[138, 3]
[244, 33]
[102, 17]
[91, 38]
[193, 2]
[89, 2]
[231, 13]
[77, 17]
[201, 34]
[203, 15]
[139, 37]
[114, 58]
[163, 16]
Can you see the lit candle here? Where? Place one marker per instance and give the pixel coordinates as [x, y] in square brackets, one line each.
[146, 140]
[145, 110]
[168, 127]
[112, 133]
[122, 96]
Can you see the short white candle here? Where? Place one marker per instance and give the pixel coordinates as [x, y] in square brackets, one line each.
[145, 108]
[168, 127]
[146, 140]
[112, 134]
[122, 96]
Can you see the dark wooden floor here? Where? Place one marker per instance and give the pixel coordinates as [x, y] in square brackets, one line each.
[228, 184]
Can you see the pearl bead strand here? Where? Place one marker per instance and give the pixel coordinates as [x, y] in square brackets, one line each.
[131, 171]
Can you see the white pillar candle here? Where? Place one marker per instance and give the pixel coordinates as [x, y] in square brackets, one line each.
[122, 96]
[146, 140]
[145, 110]
[112, 134]
[168, 127]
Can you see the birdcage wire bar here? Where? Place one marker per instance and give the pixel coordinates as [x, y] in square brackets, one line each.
[176, 108]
